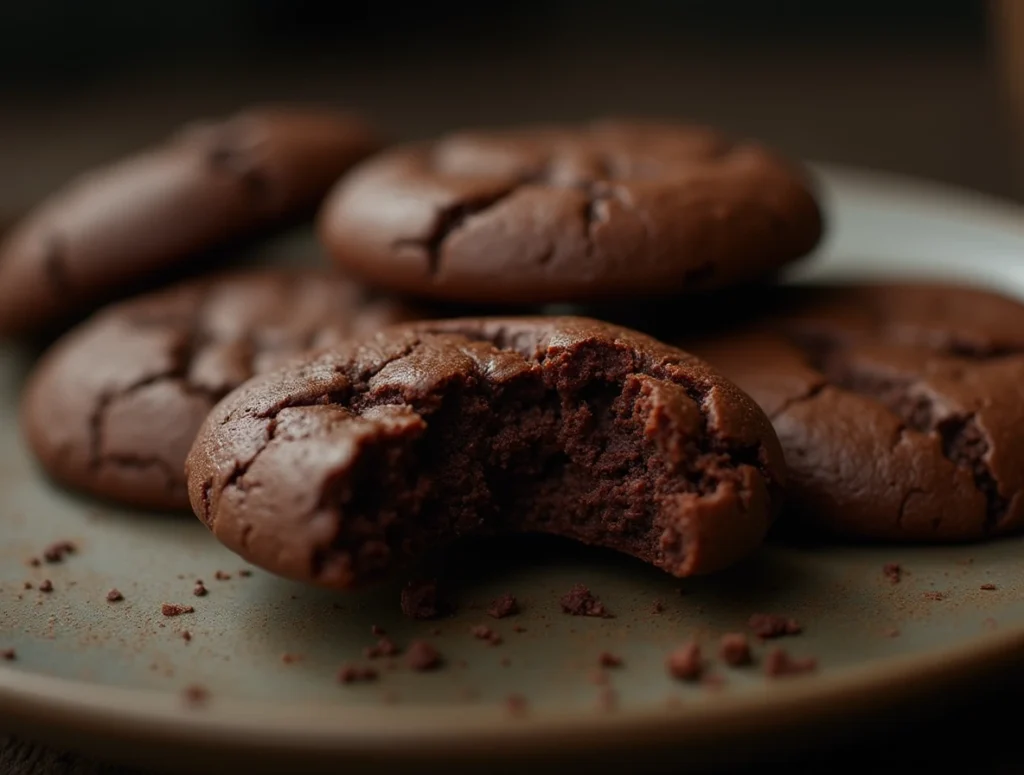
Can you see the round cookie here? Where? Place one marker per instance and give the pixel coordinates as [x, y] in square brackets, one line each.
[113, 407]
[111, 229]
[348, 466]
[606, 211]
[899, 407]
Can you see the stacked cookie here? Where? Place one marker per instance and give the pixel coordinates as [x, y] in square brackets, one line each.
[335, 424]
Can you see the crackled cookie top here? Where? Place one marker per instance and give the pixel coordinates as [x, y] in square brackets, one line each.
[899, 407]
[111, 229]
[114, 406]
[342, 468]
[570, 214]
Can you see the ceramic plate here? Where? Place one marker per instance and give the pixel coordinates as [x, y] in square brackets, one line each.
[114, 678]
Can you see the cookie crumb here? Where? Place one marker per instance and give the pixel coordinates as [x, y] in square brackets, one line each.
[685, 663]
[57, 551]
[483, 632]
[934, 595]
[518, 628]
[734, 649]
[196, 694]
[8, 655]
[987, 587]
[608, 659]
[27, 585]
[657, 607]
[349, 674]
[607, 699]
[893, 572]
[506, 605]
[713, 681]
[245, 573]
[779, 663]
[290, 659]
[186, 635]
[222, 576]
[773, 626]
[516, 704]
[200, 590]
[46, 586]
[580, 602]
[377, 630]
[35, 562]
[174, 609]
[385, 647]
[114, 596]
[420, 600]
[422, 656]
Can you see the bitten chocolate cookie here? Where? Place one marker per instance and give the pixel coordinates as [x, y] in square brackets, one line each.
[342, 469]
[211, 183]
[114, 406]
[547, 215]
[899, 407]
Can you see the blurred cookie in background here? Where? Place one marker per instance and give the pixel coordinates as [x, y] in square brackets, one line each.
[115, 229]
[613, 211]
[112, 408]
[899, 406]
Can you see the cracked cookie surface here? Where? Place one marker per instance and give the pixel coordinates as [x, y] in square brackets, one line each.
[610, 210]
[109, 230]
[113, 407]
[899, 407]
[347, 467]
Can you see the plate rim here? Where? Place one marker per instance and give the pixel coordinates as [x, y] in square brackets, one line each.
[156, 718]
[968, 203]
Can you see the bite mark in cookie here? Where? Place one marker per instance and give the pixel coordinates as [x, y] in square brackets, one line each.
[344, 467]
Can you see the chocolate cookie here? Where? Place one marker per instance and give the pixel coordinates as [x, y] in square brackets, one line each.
[545, 215]
[209, 184]
[114, 406]
[343, 468]
[899, 407]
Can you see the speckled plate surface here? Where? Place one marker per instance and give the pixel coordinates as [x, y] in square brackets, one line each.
[111, 677]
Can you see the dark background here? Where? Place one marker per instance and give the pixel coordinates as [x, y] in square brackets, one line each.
[912, 86]
[66, 41]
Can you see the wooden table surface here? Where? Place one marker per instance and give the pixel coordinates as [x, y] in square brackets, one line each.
[931, 111]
